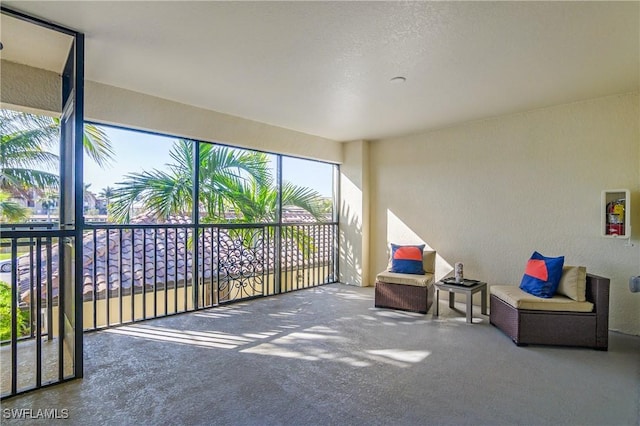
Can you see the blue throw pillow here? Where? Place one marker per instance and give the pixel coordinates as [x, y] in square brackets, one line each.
[407, 259]
[542, 275]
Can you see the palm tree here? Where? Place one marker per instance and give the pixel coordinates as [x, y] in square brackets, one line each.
[230, 180]
[26, 164]
[256, 203]
[107, 194]
[163, 193]
[11, 211]
[49, 200]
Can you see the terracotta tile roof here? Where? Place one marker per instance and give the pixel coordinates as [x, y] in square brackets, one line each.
[164, 255]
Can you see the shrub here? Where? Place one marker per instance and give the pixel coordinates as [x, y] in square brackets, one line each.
[5, 314]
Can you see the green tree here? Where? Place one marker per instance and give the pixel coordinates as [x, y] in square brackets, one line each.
[230, 180]
[255, 202]
[107, 194]
[5, 314]
[223, 171]
[49, 201]
[26, 162]
[11, 211]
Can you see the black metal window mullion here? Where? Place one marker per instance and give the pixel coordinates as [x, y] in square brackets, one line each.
[144, 274]
[132, 285]
[49, 289]
[167, 276]
[61, 302]
[107, 283]
[120, 264]
[278, 240]
[38, 313]
[195, 220]
[14, 315]
[175, 269]
[155, 273]
[186, 268]
[94, 236]
[31, 281]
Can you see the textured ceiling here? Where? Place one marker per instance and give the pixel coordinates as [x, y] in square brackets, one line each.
[324, 68]
[32, 45]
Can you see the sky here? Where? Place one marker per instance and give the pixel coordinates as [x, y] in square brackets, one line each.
[138, 151]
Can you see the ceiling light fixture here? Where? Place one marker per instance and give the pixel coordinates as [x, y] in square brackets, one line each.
[398, 79]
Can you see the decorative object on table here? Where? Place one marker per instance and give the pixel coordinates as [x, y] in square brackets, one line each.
[459, 274]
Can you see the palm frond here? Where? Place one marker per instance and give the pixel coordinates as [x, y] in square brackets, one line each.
[302, 197]
[40, 129]
[28, 158]
[11, 211]
[97, 145]
[160, 193]
[21, 179]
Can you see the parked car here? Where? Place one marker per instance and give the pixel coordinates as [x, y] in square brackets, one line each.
[5, 271]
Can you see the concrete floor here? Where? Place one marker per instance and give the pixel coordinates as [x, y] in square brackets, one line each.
[326, 356]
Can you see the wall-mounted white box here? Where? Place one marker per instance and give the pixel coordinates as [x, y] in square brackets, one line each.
[615, 213]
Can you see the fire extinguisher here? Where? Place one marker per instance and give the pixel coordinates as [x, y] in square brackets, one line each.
[615, 218]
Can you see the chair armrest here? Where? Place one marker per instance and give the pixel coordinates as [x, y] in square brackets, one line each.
[598, 294]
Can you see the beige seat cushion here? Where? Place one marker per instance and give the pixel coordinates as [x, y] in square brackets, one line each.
[520, 299]
[406, 279]
[573, 283]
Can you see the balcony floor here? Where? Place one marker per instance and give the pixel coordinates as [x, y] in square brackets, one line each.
[327, 356]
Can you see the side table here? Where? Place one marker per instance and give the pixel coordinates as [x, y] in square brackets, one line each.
[469, 290]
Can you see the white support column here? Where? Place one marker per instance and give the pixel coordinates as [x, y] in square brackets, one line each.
[355, 214]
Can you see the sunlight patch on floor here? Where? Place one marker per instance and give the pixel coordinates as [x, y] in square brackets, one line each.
[220, 312]
[367, 317]
[321, 343]
[401, 355]
[277, 350]
[306, 354]
[352, 295]
[386, 313]
[284, 314]
[264, 335]
[188, 337]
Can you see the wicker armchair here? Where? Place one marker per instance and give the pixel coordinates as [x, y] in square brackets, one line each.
[407, 292]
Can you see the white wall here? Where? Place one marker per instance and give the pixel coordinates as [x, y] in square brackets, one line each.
[112, 105]
[37, 90]
[489, 193]
[354, 214]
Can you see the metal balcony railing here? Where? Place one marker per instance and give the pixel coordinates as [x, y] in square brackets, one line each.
[138, 272]
[37, 330]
